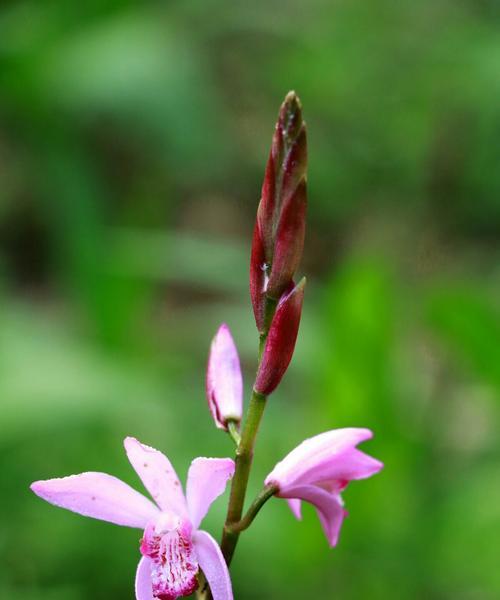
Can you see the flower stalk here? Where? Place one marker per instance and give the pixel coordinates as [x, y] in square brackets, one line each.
[234, 432]
[244, 457]
[267, 492]
[277, 303]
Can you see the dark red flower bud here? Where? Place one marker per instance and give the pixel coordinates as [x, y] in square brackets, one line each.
[258, 277]
[280, 228]
[281, 339]
[289, 241]
[267, 205]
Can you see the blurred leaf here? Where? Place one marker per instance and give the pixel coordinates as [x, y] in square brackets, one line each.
[470, 326]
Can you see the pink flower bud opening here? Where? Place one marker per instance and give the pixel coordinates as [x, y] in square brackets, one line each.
[224, 384]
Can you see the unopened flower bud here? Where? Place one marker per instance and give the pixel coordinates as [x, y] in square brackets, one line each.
[258, 278]
[281, 339]
[289, 241]
[280, 227]
[224, 383]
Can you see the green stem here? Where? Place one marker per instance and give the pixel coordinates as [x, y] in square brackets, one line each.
[233, 430]
[244, 457]
[263, 496]
[244, 452]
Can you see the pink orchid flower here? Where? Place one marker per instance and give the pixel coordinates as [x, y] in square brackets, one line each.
[173, 547]
[318, 469]
[224, 382]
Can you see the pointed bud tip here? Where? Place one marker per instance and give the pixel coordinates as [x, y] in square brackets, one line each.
[290, 117]
[291, 106]
[292, 100]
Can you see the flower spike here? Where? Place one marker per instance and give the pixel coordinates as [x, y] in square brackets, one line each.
[280, 226]
[224, 384]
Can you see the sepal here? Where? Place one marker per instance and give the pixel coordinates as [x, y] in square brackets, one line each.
[280, 342]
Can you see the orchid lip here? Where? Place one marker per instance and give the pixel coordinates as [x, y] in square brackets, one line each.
[167, 542]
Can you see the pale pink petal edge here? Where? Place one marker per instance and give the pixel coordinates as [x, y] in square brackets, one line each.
[157, 474]
[329, 507]
[224, 382]
[143, 585]
[324, 447]
[207, 479]
[213, 565]
[100, 496]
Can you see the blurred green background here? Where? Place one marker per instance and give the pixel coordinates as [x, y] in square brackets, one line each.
[133, 139]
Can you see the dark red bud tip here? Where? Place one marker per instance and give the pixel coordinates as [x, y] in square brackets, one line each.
[281, 339]
[290, 117]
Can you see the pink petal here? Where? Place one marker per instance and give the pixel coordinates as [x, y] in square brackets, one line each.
[100, 496]
[323, 456]
[329, 507]
[143, 585]
[213, 565]
[224, 382]
[157, 475]
[296, 507]
[344, 467]
[207, 479]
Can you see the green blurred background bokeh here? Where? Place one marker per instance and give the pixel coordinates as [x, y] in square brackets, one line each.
[133, 139]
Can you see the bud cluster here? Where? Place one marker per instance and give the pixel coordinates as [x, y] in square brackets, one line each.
[278, 237]
[277, 245]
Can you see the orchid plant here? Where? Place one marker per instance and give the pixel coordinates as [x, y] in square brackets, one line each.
[178, 558]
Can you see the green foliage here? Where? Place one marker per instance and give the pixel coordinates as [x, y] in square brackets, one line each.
[133, 138]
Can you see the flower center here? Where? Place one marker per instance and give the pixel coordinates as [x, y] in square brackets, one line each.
[167, 542]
